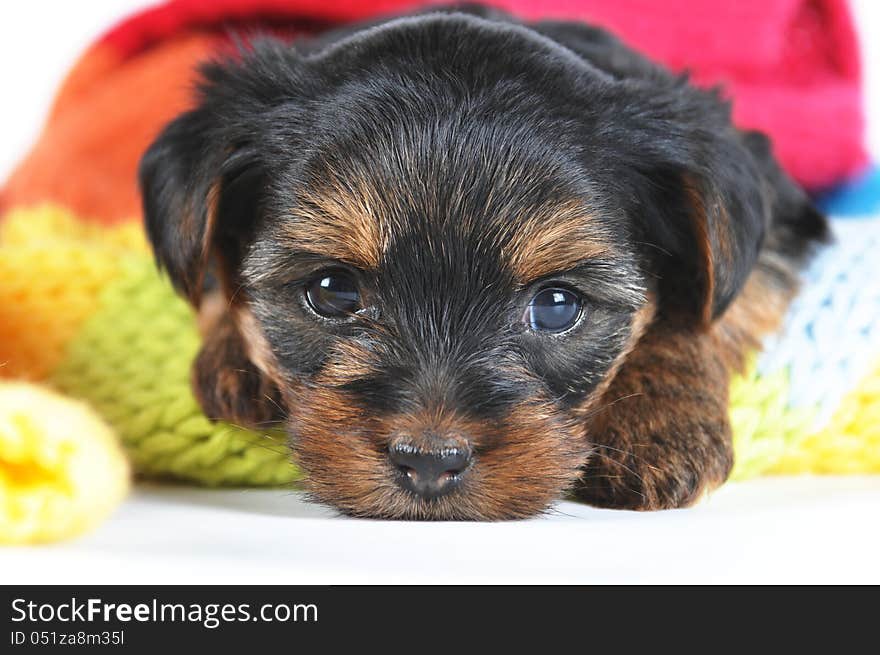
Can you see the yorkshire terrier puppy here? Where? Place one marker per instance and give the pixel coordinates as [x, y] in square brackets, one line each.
[473, 263]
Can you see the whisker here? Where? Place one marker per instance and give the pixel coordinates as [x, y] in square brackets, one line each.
[630, 453]
[624, 466]
[283, 410]
[234, 294]
[595, 411]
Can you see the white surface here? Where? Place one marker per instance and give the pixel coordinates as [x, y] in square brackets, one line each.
[769, 530]
[783, 530]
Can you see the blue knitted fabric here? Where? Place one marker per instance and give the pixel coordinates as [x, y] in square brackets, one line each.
[831, 337]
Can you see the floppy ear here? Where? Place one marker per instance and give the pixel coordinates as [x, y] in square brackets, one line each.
[710, 228]
[721, 195]
[702, 202]
[201, 199]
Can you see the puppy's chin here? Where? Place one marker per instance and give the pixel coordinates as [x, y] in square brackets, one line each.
[521, 463]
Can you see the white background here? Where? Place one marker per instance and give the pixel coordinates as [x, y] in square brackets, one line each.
[770, 530]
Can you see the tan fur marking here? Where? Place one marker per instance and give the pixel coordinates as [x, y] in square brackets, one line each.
[211, 310]
[700, 222]
[348, 362]
[255, 344]
[189, 224]
[553, 242]
[342, 223]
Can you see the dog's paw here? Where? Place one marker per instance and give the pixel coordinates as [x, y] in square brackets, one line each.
[657, 473]
[229, 386]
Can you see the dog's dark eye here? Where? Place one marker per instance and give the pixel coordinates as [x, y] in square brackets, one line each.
[333, 294]
[553, 310]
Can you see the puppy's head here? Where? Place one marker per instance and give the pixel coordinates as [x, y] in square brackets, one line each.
[436, 241]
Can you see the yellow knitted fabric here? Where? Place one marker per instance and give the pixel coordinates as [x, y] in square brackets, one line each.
[61, 468]
[850, 443]
[83, 306]
[132, 361]
[764, 427]
[52, 269]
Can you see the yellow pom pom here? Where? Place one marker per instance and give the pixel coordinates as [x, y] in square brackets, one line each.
[61, 468]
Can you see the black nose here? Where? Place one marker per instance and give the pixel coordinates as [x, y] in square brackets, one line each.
[429, 473]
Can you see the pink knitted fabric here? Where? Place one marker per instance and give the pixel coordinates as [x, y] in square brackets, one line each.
[791, 66]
